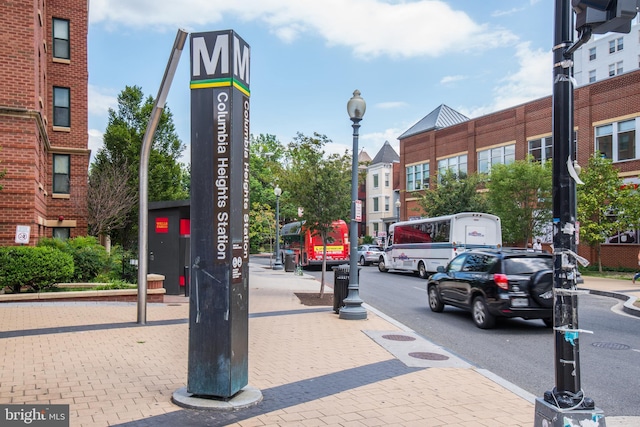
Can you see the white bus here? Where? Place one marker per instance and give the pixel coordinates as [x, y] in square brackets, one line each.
[424, 244]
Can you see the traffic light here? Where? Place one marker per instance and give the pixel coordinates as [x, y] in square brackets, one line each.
[603, 16]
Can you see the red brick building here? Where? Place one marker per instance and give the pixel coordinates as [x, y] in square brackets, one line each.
[607, 119]
[43, 118]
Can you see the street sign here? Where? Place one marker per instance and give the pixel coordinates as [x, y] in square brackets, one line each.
[358, 215]
[22, 234]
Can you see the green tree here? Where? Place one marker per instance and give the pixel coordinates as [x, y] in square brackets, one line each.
[266, 157]
[520, 194]
[318, 183]
[122, 146]
[453, 194]
[604, 205]
[262, 221]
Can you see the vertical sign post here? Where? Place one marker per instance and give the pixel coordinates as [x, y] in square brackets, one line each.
[218, 314]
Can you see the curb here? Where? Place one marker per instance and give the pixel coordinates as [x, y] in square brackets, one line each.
[628, 306]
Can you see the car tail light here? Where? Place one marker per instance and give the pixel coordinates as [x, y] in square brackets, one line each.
[502, 281]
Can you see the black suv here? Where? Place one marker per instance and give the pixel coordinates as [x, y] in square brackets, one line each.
[496, 283]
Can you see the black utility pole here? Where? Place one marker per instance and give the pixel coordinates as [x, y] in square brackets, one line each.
[567, 362]
[566, 403]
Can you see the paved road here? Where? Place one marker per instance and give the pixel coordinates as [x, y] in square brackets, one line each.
[518, 350]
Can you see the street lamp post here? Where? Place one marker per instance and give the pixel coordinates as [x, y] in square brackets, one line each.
[278, 265]
[353, 309]
[398, 203]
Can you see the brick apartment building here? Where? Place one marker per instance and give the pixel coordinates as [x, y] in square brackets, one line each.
[43, 118]
[606, 119]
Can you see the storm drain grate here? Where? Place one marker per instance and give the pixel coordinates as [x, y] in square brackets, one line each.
[429, 356]
[611, 345]
[398, 338]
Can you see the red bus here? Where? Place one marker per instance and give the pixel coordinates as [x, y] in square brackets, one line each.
[337, 244]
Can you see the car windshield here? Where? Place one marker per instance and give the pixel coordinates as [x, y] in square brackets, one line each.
[527, 265]
[375, 248]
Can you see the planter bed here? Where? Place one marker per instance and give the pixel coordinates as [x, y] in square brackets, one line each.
[120, 295]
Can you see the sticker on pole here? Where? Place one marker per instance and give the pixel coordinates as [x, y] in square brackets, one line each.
[358, 213]
[22, 234]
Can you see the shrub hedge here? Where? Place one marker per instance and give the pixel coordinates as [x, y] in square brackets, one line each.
[37, 267]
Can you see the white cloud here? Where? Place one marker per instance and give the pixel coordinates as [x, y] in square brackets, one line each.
[369, 27]
[452, 79]
[100, 100]
[95, 142]
[372, 142]
[531, 80]
[499, 13]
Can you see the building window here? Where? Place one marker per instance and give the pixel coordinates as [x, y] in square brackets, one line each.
[612, 70]
[61, 38]
[541, 149]
[376, 207]
[617, 141]
[61, 173]
[386, 203]
[592, 76]
[620, 43]
[612, 46]
[499, 155]
[386, 180]
[418, 177]
[61, 107]
[62, 233]
[619, 68]
[375, 229]
[592, 54]
[456, 164]
[375, 181]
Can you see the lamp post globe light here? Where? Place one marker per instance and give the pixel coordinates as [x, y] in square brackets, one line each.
[398, 204]
[353, 309]
[278, 265]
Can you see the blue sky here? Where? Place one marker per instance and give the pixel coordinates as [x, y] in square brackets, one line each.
[308, 56]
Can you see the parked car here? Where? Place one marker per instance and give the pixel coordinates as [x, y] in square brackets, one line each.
[368, 254]
[495, 283]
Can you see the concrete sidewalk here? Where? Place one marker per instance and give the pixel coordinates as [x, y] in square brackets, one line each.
[312, 368]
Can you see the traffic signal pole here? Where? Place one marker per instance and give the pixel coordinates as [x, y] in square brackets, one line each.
[566, 402]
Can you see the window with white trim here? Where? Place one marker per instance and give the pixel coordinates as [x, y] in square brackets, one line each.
[494, 156]
[375, 180]
[386, 180]
[541, 149]
[617, 141]
[612, 70]
[592, 54]
[386, 203]
[376, 207]
[456, 164]
[417, 177]
[592, 76]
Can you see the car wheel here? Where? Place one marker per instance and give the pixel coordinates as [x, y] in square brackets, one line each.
[548, 323]
[435, 303]
[381, 265]
[541, 288]
[422, 271]
[480, 313]
[362, 261]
